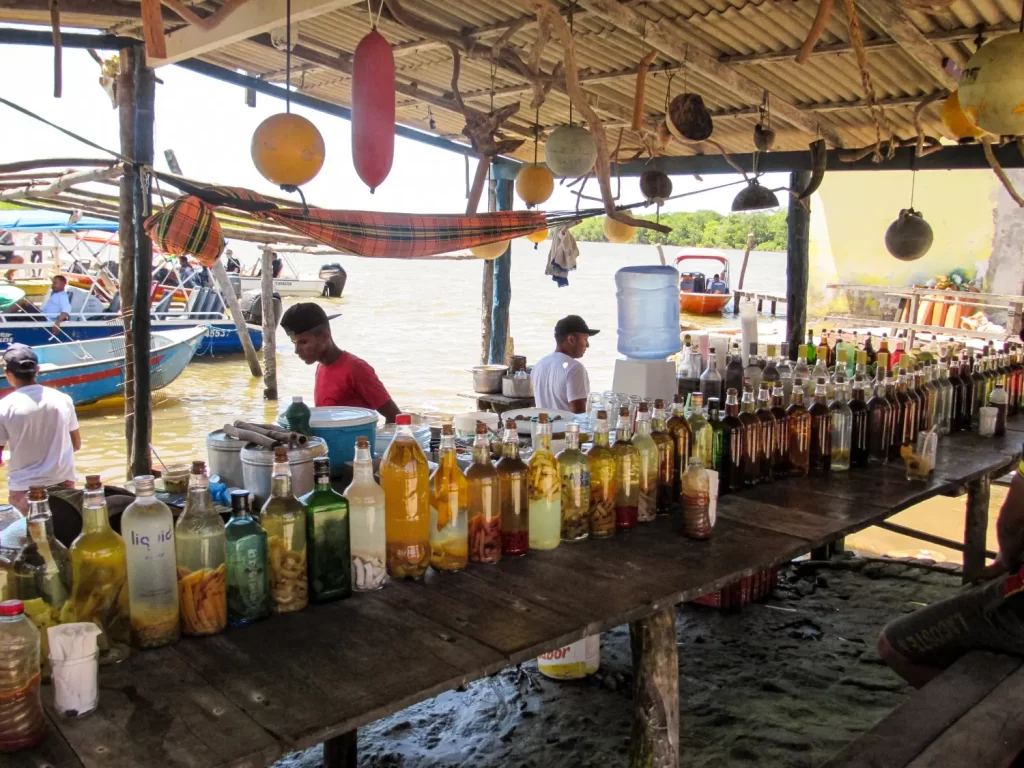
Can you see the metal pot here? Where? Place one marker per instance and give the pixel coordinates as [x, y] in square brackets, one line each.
[258, 464]
[487, 379]
[513, 387]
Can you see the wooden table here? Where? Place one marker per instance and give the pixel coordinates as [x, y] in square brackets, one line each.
[498, 403]
[247, 696]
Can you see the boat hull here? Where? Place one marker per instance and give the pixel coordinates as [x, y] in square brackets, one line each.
[283, 286]
[221, 339]
[703, 303]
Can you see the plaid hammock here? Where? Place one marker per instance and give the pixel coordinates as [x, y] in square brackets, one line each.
[394, 235]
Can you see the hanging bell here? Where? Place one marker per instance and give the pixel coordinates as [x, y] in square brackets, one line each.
[764, 138]
[754, 197]
[909, 237]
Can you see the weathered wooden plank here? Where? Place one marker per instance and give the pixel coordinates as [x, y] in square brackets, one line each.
[655, 738]
[322, 672]
[911, 727]
[52, 752]
[976, 528]
[817, 519]
[156, 711]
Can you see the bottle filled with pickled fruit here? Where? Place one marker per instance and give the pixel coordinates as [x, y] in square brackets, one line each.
[284, 519]
[484, 502]
[574, 471]
[366, 522]
[647, 510]
[842, 428]
[449, 509]
[199, 545]
[603, 481]
[767, 444]
[859, 425]
[514, 494]
[733, 466]
[799, 432]
[328, 550]
[821, 429]
[696, 508]
[545, 489]
[22, 722]
[248, 583]
[701, 435]
[627, 474]
[781, 448]
[99, 576]
[147, 528]
[751, 439]
[405, 477]
[666, 457]
[682, 439]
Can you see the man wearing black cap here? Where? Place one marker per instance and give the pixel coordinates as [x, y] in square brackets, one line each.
[40, 425]
[559, 379]
[341, 377]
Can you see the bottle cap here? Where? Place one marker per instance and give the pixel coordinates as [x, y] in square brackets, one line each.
[364, 442]
[403, 420]
[542, 418]
[281, 455]
[604, 414]
[321, 464]
[12, 608]
[296, 398]
[659, 403]
[239, 499]
[198, 467]
[93, 483]
[144, 485]
[446, 429]
[37, 493]
[624, 411]
[642, 408]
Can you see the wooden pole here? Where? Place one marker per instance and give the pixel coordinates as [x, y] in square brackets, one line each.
[798, 223]
[487, 284]
[655, 737]
[341, 751]
[976, 528]
[502, 296]
[142, 204]
[126, 239]
[746, 256]
[228, 292]
[269, 326]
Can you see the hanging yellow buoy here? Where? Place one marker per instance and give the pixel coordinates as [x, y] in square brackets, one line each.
[538, 237]
[490, 250]
[534, 184]
[616, 231]
[992, 86]
[956, 123]
[288, 150]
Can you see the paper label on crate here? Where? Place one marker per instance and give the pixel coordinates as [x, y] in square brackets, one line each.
[713, 494]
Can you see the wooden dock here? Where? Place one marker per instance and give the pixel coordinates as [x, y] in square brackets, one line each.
[773, 299]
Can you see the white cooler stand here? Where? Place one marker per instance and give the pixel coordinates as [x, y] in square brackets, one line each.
[650, 379]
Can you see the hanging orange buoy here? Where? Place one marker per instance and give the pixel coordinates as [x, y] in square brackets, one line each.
[287, 150]
[373, 109]
[538, 237]
[490, 250]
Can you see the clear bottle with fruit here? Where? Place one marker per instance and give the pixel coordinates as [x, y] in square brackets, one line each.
[449, 510]
[284, 519]
[199, 546]
[366, 522]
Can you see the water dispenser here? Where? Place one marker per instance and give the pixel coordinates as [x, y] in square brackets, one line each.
[648, 330]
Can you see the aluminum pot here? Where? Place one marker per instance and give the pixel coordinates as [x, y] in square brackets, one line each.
[258, 464]
[513, 387]
[487, 379]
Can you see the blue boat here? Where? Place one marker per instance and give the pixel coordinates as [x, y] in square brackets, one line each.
[92, 370]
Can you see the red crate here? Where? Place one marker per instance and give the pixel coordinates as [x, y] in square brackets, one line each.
[742, 592]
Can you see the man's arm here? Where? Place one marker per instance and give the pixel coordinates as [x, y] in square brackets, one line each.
[577, 389]
[76, 440]
[389, 411]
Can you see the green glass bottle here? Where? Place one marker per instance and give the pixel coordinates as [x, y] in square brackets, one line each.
[248, 582]
[328, 553]
[717, 433]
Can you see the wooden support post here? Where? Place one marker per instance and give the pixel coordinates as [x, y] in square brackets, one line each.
[487, 281]
[269, 326]
[502, 296]
[976, 527]
[655, 737]
[760, 306]
[126, 240]
[773, 307]
[228, 292]
[340, 752]
[798, 221]
[142, 205]
[736, 302]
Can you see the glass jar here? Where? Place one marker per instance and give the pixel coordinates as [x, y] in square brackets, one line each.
[327, 537]
[202, 571]
[405, 478]
[248, 584]
[449, 509]
[284, 519]
[484, 502]
[22, 722]
[366, 522]
[545, 490]
[574, 470]
[696, 510]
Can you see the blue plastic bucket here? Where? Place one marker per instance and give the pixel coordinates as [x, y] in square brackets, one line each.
[339, 426]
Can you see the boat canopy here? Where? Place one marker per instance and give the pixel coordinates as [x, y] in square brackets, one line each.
[51, 221]
[710, 256]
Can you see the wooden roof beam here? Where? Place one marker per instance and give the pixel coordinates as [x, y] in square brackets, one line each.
[891, 17]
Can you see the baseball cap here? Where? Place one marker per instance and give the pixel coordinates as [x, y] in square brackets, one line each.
[573, 324]
[303, 317]
[21, 360]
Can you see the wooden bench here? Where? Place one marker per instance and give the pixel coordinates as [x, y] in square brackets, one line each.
[970, 716]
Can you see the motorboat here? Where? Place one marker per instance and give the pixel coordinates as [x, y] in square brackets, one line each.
[699, 294]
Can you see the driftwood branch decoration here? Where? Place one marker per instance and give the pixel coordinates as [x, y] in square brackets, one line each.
[986, 143]
[817, 27]
[931, 144]
[602, 168]
[920, 151]
[483, 129]
[641, 90]
[58, 45]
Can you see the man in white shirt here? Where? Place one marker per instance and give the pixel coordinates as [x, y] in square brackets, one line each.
[559, 380]
[58, 305]
[40, 425]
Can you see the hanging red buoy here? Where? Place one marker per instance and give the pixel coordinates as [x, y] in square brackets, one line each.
[373, 109]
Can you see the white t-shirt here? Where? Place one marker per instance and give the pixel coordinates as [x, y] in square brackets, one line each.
[558, 380]
[36, 423]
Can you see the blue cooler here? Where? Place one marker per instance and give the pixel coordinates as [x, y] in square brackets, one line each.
[339, 426]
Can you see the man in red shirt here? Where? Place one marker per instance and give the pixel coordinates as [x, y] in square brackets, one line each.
[341, 377]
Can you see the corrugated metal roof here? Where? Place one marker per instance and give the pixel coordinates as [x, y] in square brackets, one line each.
[756, 38]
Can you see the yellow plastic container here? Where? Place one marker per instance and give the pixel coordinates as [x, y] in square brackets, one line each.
[572, 662]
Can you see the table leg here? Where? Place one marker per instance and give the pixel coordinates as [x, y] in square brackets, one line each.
[340, 752]
[655, 738]
[976, 527]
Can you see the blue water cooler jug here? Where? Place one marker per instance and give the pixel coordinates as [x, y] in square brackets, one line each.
[648, 300]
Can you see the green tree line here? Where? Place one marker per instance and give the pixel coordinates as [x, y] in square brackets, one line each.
[703, 229]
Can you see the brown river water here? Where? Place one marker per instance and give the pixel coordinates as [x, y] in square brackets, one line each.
[418, 325]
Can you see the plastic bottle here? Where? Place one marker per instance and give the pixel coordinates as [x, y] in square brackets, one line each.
[405, 478]
[297, 416]
[22, 722]
[366, 522]
[648, 303]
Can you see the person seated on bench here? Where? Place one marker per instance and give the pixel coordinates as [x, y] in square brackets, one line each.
[718, 285]
[988, 615]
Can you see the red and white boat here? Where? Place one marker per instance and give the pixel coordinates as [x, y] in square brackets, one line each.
[698, 294]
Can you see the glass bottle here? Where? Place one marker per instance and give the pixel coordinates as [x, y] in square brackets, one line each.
[820, 372]
[284, 519]
[200, 550]
[99, 576]
[980, 384]
[751, 440]
[328, 549]
[717, 435]
[627, 474]
[771, 374]
[943, 399]
[956, 396]
[545, 490]
[914, 393]
[811, 347]
[1017, 377]
[603, 481]
[405, 478]
[780, 450]
[767, 443]
[367, 539]
[786, 374]
[147, 527]
[647, 509]
[869, 350]
[880, 419]
[666, 456]
[682, 439]
[839, 375]
[688, 373]
[248, 583]
[752, 373]
[842, 429]
[701, 436]
[998, 401]
[734, 369]
[733, 467]
[696, 506]
[514, 493]
[449, 509]
[821, 430]
[710, 383]
[22, 721]
[799, 432]
[574, 471]
[802, 370]
[905, 416]
[930, 398]
[860, 424]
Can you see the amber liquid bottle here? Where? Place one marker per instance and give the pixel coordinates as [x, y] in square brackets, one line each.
[859, 433]
[751, 441]
[781, 448]
[915, 395]
[905, 416]
[967, 406]
[895, 433]
[682, 438]
[979, 384]
[879, 426]
[766, 441]
[666, 458]
[799, 455]
[733, 467]
[821, 430]
[957, 407]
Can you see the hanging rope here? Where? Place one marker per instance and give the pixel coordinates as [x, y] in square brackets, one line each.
[857, 41]
[288, 56]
